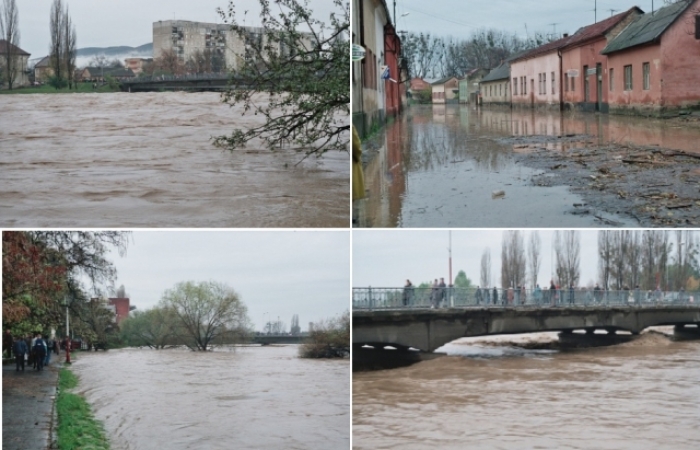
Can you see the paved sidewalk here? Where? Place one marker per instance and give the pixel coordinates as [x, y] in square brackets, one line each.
[27, 406]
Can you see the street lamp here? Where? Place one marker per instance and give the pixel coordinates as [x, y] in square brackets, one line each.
[68, 341]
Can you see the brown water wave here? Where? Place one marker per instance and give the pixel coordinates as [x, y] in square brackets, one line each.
[146, 160]
[253, 397]
[642, 394]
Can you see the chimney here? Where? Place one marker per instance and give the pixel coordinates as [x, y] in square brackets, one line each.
[566, 35]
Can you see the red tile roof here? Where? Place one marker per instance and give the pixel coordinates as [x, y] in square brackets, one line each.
[582, 35]
[16, 50]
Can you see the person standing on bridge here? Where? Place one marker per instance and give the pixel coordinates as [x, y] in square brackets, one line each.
[477, 295]
[408, 293]
[494, 296]
[553, 293]
[434, 294]
[443, 293]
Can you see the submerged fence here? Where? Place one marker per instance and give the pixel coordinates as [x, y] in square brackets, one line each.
[449, 297]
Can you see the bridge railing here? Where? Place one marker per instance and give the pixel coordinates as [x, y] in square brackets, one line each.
[448, 297]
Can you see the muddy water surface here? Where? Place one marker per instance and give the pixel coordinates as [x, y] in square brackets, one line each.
[146, 160]
[440, 166]
[491, 394]
[257, 398]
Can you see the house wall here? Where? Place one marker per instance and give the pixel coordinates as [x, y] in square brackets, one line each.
[371, 15]
[21, 78]
[530, 68]
[392, 50]
[680, 62]
[637, 100]
[495, 92]
[576, 58]
[439, 93]
[121, 306]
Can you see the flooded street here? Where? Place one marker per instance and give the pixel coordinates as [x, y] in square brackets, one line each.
[440, 166]
[255, 397]
[146, 160]
[491, 394]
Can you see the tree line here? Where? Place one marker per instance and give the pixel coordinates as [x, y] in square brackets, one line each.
[45, 272]
[626, 259]
[428, 55]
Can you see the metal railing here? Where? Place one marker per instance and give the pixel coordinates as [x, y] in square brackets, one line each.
[449, 297]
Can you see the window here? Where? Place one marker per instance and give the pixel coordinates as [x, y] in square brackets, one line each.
[612, 80]
[646, 77]
[515, 86]
[554, 90]
[524, 85]
[628, 78]
[566, 83]
[573, 84]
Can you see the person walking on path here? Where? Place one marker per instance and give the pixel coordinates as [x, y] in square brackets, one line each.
[7, 343]
[49, 348]
[20, 349]
[39, 352]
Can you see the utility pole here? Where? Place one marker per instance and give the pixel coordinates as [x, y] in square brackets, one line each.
[595, 11]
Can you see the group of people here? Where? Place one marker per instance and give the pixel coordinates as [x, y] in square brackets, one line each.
[438, 293]
[34, 351]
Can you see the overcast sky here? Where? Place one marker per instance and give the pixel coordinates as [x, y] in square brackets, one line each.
[459, 18]
[108, 23]
[388, 258]
[277, 272]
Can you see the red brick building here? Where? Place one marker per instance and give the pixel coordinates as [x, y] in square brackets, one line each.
[121, 306]
[654, 63]
[392, 85]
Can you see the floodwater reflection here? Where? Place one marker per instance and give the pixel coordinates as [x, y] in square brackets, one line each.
[438, 165]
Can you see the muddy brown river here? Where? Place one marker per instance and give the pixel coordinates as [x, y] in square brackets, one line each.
[491, 394]
[253, 397]
[439, 166]
[146, 160]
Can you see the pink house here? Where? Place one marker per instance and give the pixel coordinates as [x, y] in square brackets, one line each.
[584, 69]
[535, 76]
[654, 63]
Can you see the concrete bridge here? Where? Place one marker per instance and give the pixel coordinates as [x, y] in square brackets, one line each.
[195, 83]
[267, 339]
[429, 329]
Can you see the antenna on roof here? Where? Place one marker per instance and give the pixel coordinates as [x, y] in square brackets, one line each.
[554, 28]
[612, 11]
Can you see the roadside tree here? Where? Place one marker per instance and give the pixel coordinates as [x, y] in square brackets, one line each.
[206, 312]
[9, 31]
[303, 66]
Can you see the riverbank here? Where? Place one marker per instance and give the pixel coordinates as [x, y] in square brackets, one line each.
[77, 427]
[46, 89]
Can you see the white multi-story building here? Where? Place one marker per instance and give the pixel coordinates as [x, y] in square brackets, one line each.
[186, 39]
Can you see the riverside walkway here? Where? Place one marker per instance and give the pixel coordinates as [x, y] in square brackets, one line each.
[28, 416]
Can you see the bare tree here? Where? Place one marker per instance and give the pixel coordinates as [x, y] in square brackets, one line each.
[605, 254]
[567, 249]
[56, 29]
[513, 261]
[9, 31]
[535, 256]
[486, 268]
[169, 63]
[69, 47]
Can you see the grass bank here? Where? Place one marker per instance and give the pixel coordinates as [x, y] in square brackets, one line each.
[77, 427]
[46, 89]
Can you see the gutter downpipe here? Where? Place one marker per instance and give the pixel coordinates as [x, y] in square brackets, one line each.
[561, 83]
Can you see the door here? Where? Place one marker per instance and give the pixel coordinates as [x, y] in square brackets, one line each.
[586, 90]
[599, 84]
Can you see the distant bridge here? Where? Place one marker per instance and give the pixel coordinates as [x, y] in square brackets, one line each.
[267, 339]
[378, 322]
[198, 82]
